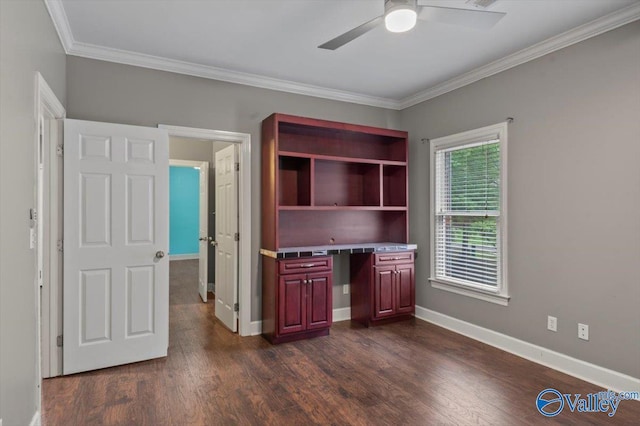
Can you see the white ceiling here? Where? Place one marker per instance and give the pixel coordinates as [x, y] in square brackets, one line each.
[273, 43]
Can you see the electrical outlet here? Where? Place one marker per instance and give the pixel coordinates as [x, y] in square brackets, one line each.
[345, 288]
[552, 323]
[583, 331]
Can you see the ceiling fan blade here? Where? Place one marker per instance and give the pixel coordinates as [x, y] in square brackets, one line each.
[350, 35]
[478, 19]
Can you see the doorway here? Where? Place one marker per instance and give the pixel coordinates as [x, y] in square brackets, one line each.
[191, 214]
[242, 143]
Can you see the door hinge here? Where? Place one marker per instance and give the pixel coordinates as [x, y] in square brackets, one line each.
[236, 307]
[237, 167]
[59, 150]
[59, 341]
[60, 246]
[236, 236]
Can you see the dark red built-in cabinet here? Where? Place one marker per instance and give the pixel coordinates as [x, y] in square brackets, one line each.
[325, 183]
[296, 296]
[382, 287]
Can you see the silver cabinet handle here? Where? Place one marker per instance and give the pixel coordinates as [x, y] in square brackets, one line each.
[159, 254]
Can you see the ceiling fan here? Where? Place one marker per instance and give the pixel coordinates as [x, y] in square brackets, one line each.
[401, 15]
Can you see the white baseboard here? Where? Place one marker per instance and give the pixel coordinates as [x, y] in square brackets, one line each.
[608, 379]
[255, 328]
[341, 314]
[35, 421]
[184, 256]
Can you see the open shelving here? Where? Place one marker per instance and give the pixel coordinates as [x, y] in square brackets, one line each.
[332, 183]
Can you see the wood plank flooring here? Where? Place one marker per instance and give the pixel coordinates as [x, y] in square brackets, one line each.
[409, 373]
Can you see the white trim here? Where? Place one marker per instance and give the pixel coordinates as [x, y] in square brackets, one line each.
[173, 257]
[61, 23]
[342, 314]
[495, 131]
[188, 163]
[244, 201]
[256, 328]
[608, 379]
[126, 57]
[596, 27]
[576, 35]
[496, 298]
[47, 100]
[36, 419]
[47, 107]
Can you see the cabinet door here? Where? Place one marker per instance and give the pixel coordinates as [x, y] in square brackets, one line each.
[319, 300]
[383, 291]
[405, 289]
[292, 310]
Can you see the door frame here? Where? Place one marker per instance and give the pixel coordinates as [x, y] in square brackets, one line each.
[244, 210]
[48, 310]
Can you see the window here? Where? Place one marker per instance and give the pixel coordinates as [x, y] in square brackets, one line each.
[468, 213]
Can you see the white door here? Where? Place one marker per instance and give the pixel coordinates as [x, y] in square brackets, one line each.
[203, 248]
[226, 237]
[116, 231]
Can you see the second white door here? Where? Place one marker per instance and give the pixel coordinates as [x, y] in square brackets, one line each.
[203, 234]
[227, 237]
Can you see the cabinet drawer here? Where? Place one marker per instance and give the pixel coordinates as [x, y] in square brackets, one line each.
[305, 264]
[393, 258]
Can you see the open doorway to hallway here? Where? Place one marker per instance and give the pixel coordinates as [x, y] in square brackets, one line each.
[204, 215]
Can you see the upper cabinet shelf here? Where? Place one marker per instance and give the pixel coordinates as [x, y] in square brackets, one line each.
[328, 182]
[319, 137]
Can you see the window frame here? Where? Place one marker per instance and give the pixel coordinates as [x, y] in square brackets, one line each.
[500, 294]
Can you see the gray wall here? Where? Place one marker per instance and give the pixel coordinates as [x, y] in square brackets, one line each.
[190, 149]
[103, 91]
[573, 202]
[28, 43]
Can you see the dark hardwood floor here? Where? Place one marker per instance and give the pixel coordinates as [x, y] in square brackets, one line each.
[409, 373]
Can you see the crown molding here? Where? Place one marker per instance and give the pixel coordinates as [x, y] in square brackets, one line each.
[576, 35]
[61, 23]
[573, 36]
[181, 67]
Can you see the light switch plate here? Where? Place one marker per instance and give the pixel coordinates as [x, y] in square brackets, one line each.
[552, 323]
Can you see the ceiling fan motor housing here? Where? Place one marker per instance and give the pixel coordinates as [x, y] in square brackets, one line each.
[390, 5]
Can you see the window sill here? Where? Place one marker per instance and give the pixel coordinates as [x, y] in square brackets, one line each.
[499, 299]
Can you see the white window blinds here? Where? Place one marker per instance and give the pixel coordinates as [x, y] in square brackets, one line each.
[467, 213]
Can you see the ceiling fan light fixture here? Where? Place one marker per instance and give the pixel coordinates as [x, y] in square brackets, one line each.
[400, 19]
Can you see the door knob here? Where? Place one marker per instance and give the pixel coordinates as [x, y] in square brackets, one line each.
[203, 238]
[159, 254]
[213, 243]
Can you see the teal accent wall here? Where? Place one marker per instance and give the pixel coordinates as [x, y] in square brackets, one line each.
[184, 210]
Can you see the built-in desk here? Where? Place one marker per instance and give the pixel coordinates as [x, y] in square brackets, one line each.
[292, 252]
[297, 302]
[330, 188]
